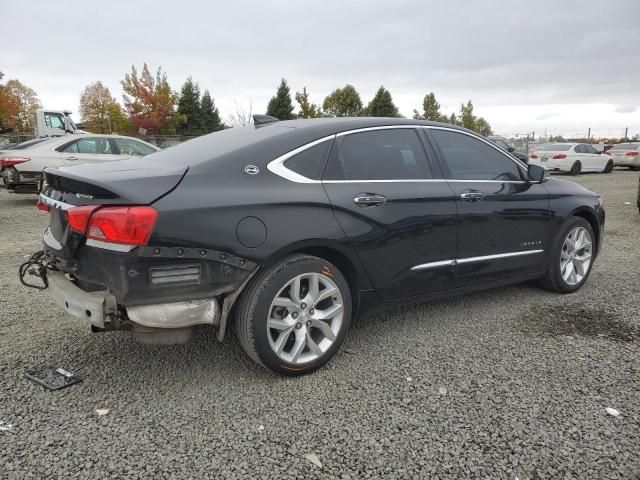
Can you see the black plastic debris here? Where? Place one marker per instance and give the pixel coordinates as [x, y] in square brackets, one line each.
[52, 378]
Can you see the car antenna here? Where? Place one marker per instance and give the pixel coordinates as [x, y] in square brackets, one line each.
[262, 119]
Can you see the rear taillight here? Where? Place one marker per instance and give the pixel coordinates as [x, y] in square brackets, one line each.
[632, 154]
[534, 156]
[12, 161]
[121, 225]
[43, 207]
[559, 156]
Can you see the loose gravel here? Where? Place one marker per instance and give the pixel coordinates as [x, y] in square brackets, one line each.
[506, 383]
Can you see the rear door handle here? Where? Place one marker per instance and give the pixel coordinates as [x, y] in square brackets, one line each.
[472, 196]
[369, 199]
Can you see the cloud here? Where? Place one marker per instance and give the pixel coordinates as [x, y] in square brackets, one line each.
[626, 109]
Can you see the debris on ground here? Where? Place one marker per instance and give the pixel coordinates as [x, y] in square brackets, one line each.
[4, 426]
[313, 459]
[52, 378]
[102, 411]
[442, 391]
[613, 412]
[261, 428]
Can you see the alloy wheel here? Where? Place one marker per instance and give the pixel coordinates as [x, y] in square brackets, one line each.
[575, 257]
[305, 318]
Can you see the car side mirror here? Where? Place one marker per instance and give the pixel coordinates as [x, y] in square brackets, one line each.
[511, 149]
[536, 173]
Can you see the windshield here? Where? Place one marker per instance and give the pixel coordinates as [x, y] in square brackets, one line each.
[626, 146]
[554, 147]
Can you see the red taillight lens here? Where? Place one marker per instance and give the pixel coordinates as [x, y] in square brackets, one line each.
[11, 161]
[534, 156]
[78, 217]
[559, 156]
[123, 225]
[632, 154]
[42, 207]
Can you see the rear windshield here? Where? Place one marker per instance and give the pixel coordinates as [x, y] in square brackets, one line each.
[626, 146]
[27, 144]
[554, 147]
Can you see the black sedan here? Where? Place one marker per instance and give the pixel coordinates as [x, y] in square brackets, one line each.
[293, 228]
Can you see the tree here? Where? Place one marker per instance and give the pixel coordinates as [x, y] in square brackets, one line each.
[18, 104]
[382, 105]
[280, 106]
[101, 112]
[242, 116]
[467, 118]
[483, 127]
[209, 115]
[343, 102]
[149, 101]
[189, 113]
[431, 109]
[453, 120]
[307, 109]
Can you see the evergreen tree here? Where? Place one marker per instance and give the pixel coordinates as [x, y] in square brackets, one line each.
[467, 118]
[343, 102]
[209, 115]
[307, 109]
[280, 106]
[382, 105]
[453, 120]
[431, 108]
[189, 109]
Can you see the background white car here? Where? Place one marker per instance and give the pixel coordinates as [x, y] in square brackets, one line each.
[21, 166]
[626, 155]
[571, 157]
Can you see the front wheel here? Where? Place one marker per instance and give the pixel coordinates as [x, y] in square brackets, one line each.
[576, 168]
[294, 316]
[571, 257]
[608, 167]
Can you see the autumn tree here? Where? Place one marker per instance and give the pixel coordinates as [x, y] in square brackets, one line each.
[280, 105]
[18, 104]
[101, 112]
[149, 101]
[209, 115]
[189, 113]
[343, 102]
[307, 109]
[382, 105]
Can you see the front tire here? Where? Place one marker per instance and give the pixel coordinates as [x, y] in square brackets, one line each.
[571, 257]
[294, 316]
[608, 167]
[576, 168]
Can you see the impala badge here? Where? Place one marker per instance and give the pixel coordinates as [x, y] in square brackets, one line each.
[251, 170]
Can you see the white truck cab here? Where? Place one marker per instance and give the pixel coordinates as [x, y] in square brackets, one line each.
[54, 123]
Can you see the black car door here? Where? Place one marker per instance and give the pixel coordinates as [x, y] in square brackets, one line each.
[503, 219]
[396, 215]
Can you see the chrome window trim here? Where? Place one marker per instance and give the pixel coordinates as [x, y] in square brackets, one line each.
[55, 203]
[462, 261]
[277, 165]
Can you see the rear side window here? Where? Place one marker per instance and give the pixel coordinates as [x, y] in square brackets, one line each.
[97, 146]
[580, 149]
[310, 162]
[133, 147]
[394, 154]
[469, 158]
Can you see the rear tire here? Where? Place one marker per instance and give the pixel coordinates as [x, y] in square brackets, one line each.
[576, 168]
[567, 255]
[608, 167]
[293, 317]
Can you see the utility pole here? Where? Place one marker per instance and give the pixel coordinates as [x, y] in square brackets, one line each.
[626, 132]
[589, 135]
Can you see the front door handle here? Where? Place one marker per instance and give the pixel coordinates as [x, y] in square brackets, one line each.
[71, 158]
[369, 199]
[472, 196]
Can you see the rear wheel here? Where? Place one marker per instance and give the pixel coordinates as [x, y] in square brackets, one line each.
[571, 257]
[294, 316]
[608, 167]
[576, 168]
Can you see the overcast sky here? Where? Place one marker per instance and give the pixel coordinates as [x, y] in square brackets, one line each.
[563, 66]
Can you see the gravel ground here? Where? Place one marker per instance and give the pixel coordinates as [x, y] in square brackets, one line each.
[501, 384]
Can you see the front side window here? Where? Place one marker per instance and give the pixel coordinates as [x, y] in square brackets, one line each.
[393, 154]
[133, 147]
[96, 146]
[310, 162]
[469, 158]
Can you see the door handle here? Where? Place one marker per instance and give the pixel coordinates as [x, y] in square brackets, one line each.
[369, 199]
[71, 158]
[472, 196]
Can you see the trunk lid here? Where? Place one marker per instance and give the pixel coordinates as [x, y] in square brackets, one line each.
[114, 183]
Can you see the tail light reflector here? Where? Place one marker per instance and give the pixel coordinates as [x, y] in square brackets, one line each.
[12, 161]
[120, 225]
[559, 156]
[534, 156]
[632, 154]
[43, 207]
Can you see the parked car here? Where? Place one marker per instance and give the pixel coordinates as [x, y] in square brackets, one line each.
[571, 157]
[626, 155]
[21, 166]
[299, 226]
[503, 144]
